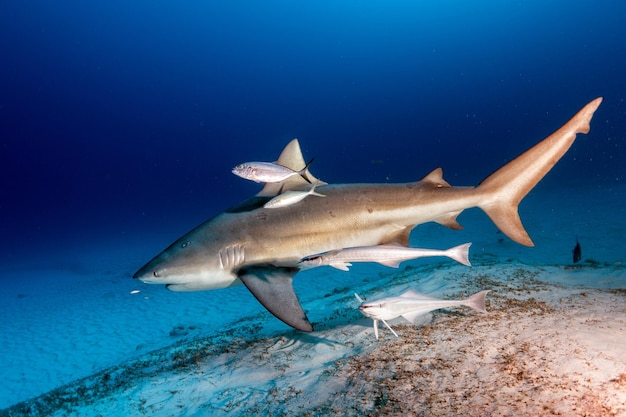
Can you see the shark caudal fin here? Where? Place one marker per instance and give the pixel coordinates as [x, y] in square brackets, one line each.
[504, 189]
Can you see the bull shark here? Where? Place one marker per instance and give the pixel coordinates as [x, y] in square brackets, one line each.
[261, 247]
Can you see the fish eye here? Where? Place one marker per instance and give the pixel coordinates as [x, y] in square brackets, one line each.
[156, 274]
[240, 166]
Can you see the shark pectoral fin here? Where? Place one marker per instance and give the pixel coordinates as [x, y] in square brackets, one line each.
[273, 287]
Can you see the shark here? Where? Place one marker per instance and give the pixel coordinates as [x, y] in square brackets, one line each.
[260, 248]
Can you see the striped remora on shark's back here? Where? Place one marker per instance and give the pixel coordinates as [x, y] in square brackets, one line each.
[261, 247]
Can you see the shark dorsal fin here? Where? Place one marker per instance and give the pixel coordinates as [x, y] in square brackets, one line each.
[436, 177]
[290, 157]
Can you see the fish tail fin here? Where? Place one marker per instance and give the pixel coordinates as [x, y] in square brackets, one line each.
[312, 190]
[477, 301]
[460, 253]
[304, 172]
[503, 190]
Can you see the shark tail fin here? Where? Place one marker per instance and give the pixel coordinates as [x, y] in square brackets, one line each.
[505, 188]
[477, 301]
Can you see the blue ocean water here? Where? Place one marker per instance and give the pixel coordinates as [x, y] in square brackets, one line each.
[120, 121]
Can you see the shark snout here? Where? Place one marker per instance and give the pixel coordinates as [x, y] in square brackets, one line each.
[150, 273]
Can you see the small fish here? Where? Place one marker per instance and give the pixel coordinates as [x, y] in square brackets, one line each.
[135, 292]
[412, 304]
[291, 197]
[268, 172]
[388, 255]
[577, 253]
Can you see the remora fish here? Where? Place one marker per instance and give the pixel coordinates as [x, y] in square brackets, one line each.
[412, 304]
[388, 255]
[269, 172]
[291, 197]
[261, 247]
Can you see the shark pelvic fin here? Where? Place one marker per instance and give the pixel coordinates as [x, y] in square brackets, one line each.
[273, 287]
[399, 237]
[504, 189]
[449, 220]
[291, 157]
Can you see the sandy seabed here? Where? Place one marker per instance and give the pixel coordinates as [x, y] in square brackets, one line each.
[543, 349]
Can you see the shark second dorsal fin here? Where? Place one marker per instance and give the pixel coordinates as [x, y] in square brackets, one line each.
[290, 157]
[436, 177]
[273, 287]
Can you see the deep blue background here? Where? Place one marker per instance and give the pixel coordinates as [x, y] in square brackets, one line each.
[121, 119]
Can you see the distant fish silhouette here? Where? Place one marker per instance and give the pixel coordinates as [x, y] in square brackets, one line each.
[577, 252]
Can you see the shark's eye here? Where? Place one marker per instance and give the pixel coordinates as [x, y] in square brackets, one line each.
[156, 274]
